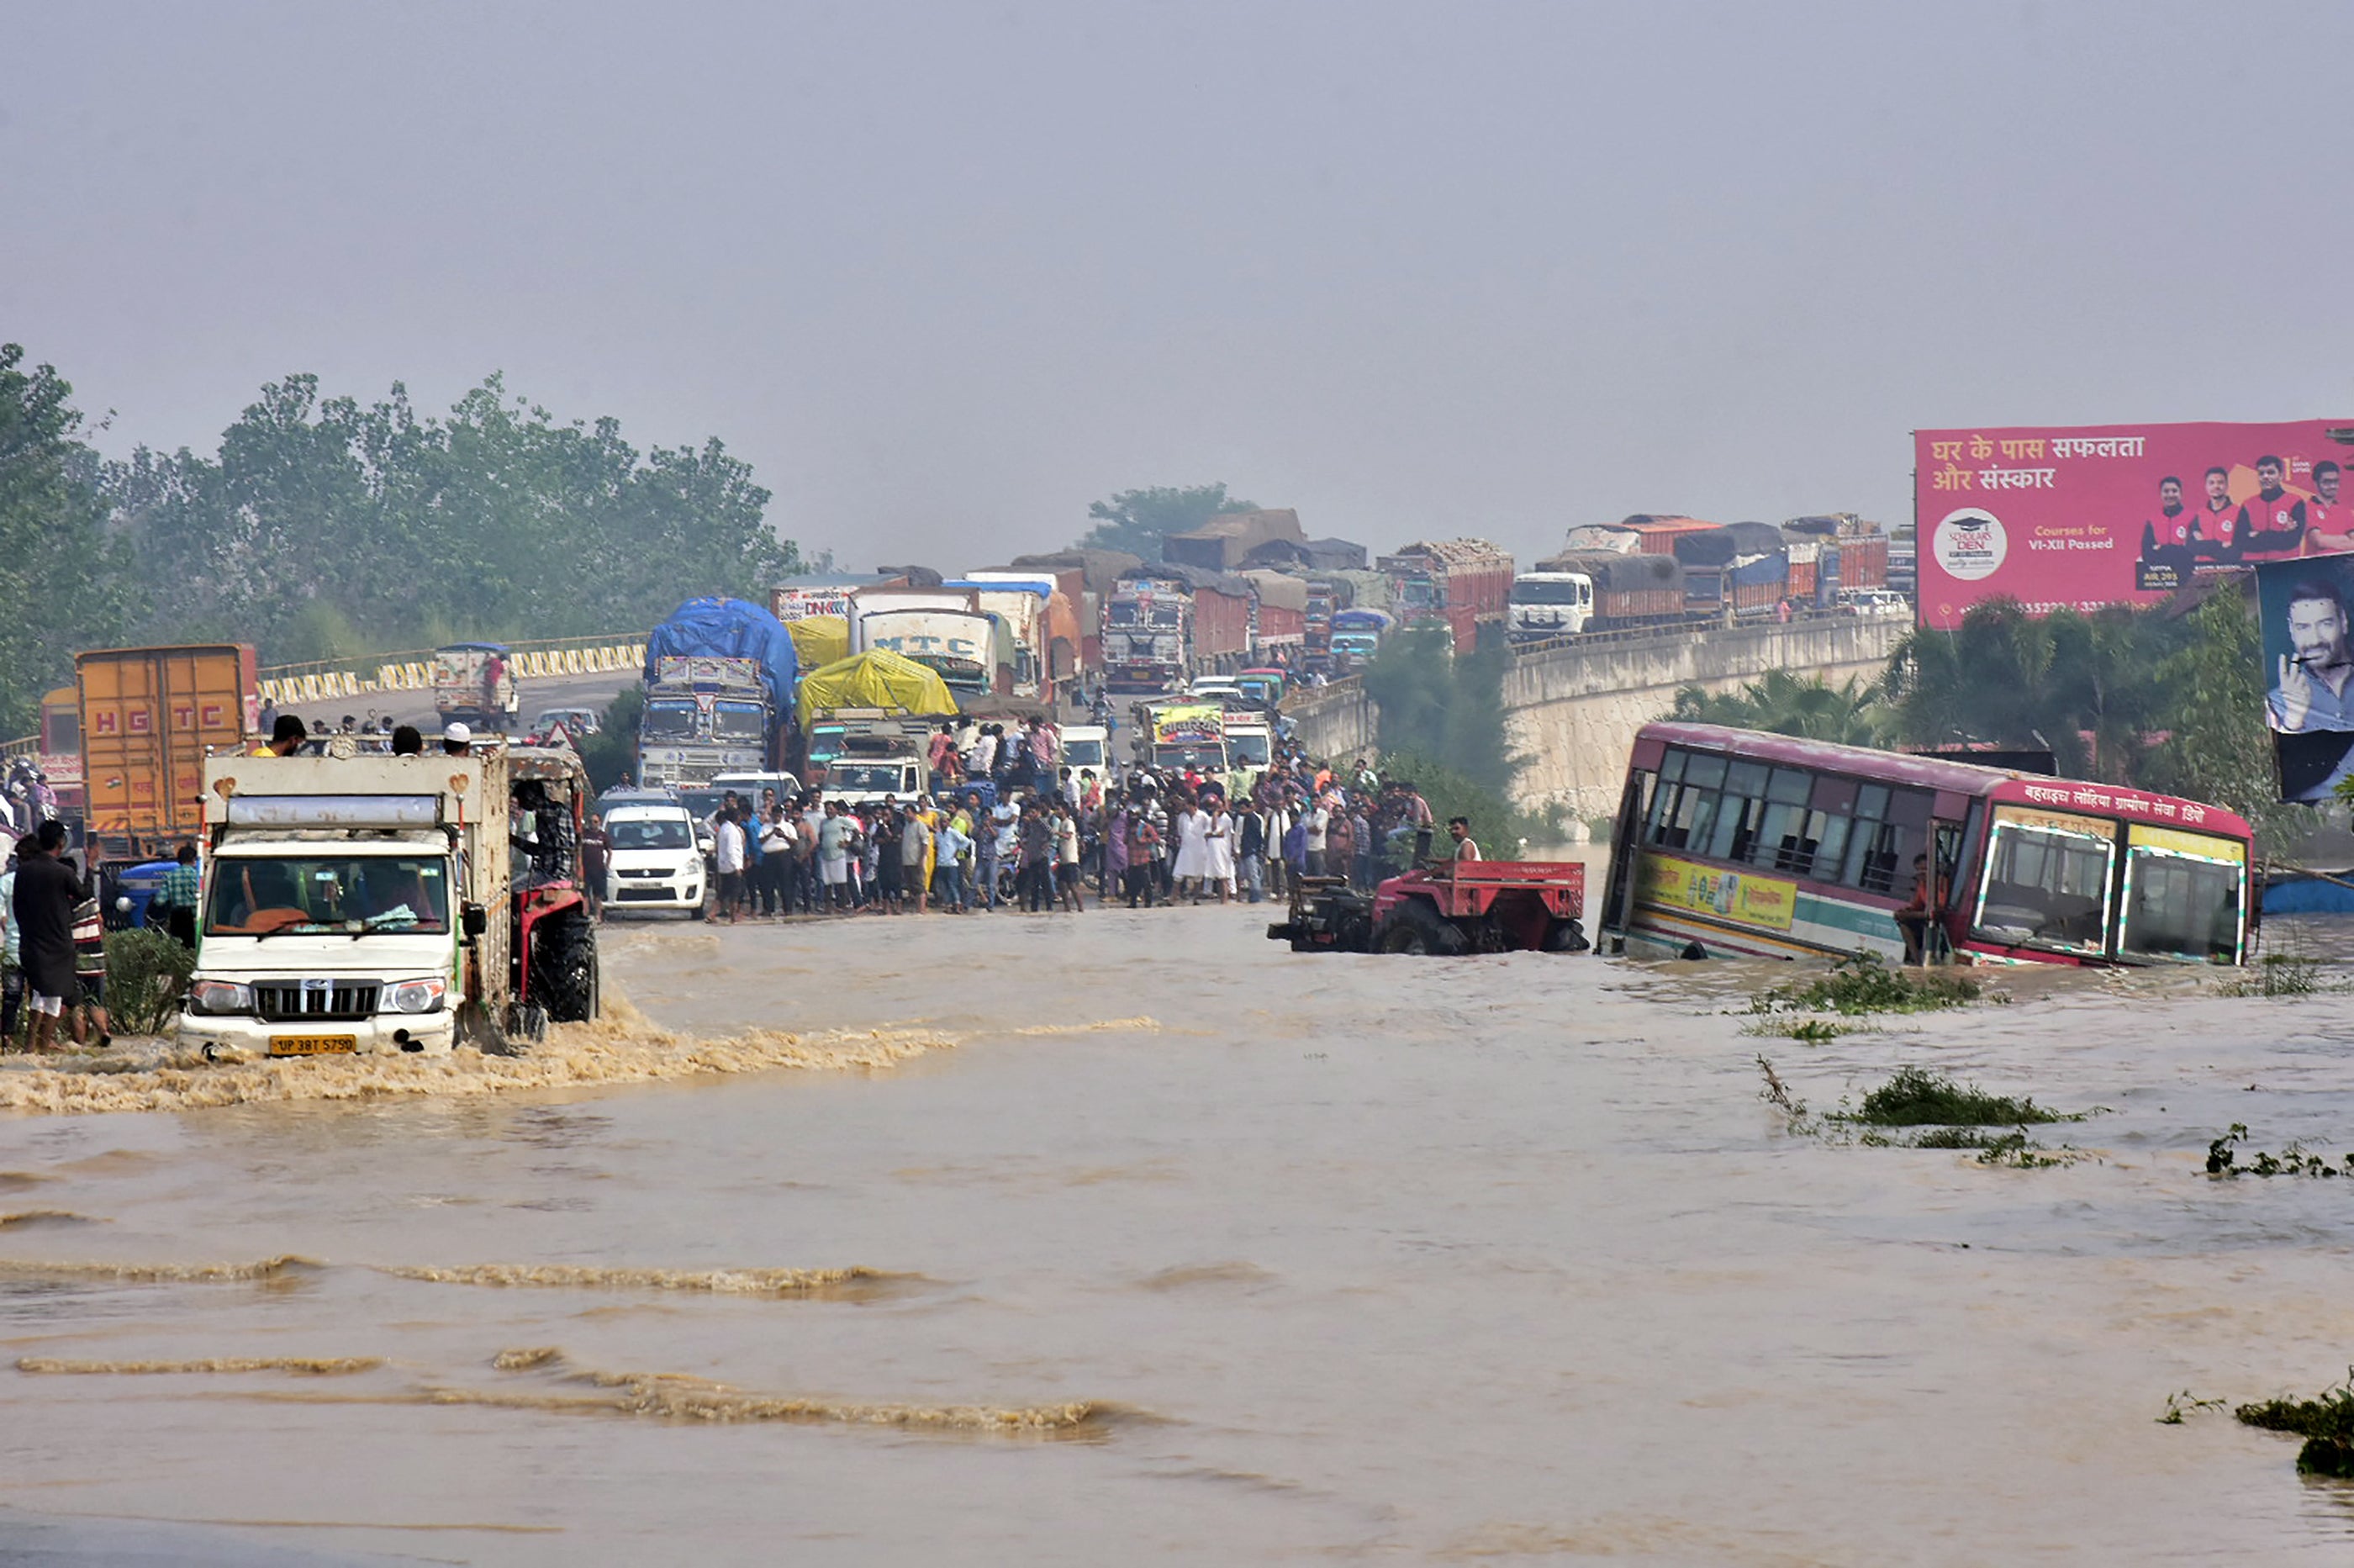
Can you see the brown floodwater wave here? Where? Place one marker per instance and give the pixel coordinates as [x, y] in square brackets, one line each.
[27, 1218]
[621, 1047]
[268, 1268]
[834, 1284]
[313, 1366]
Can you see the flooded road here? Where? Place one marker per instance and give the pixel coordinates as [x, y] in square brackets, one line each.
[1135, 1236]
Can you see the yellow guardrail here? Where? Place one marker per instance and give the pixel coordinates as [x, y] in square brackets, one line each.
[300, 684]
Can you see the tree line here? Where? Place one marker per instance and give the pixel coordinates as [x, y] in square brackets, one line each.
[322, 527]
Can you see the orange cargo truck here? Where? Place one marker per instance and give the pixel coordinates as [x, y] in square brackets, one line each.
[149, 717]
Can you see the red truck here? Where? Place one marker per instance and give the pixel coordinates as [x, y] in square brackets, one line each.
[1461, 906]
[1467, 583]
[1221, 621]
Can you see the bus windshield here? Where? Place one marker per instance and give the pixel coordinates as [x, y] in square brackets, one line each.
[2183, 896]
[2047, 881]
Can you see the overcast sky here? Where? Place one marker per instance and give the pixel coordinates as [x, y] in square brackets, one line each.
[945, 273]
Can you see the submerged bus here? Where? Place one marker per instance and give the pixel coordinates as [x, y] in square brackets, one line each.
[1736, 842]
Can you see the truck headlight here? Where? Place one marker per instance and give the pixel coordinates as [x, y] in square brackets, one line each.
[220, 999]
[416, 995]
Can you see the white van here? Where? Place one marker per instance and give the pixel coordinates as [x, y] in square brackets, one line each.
[654, 862]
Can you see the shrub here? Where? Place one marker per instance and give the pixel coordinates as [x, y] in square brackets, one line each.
[146, 971]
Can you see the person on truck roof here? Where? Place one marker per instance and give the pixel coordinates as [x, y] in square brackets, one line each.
[457, 739]
[287, 736]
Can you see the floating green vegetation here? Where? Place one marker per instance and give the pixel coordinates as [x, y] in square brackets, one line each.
[1948, 1117]
[2326, 1422]
[2280, 974]
[2179, 1405]
[1916, 1097]
[1860, 982]
[2294, 1160]
[1806, 1030]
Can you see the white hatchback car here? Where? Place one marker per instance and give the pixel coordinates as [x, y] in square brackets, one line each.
[654, 862]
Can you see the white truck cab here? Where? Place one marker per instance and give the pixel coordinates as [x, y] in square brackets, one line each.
[389, 904]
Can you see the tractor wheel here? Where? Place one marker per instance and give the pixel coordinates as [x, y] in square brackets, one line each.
[564, 977]
[1566, 937]
[1416, 928]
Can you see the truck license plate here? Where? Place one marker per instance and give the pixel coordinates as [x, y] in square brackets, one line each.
[312, 1045]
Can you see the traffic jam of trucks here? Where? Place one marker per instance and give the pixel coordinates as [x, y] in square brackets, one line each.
[308, 945]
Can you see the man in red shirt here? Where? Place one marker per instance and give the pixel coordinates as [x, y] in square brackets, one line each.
[2215, 527]
[2166, 538]
[2328, 522]
[2272, 521]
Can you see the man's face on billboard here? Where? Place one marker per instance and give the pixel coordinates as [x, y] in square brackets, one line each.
[2268, 475]
[2316, 631]
[2326, 483]
[2218, 489]
[2170, 494]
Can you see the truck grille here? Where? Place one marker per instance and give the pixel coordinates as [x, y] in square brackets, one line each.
[280, 1002]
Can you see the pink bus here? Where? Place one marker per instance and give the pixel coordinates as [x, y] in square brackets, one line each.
[1734, 842]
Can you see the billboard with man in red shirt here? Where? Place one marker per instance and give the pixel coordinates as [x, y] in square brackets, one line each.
[2081, 517]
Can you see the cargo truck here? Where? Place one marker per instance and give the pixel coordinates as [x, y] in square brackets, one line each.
[149, 718]
[1146, 624]
[474, 683]
[1465, 584]
[720, 676]
[382, 905]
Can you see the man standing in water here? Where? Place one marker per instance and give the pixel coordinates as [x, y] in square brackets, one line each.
[42, 912]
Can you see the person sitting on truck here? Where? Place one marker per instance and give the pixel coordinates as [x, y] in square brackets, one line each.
[1465, 846]
[408, 741]
[457, 739]
[287, 736]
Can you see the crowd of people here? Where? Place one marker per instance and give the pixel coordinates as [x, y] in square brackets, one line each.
[1039, 838]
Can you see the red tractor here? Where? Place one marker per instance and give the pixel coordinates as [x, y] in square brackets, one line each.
[1466, 906]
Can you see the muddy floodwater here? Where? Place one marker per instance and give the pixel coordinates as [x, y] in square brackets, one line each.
[1134, 1236]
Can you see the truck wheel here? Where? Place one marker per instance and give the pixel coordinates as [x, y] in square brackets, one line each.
[564, 977]
[1566, 937]
[1416, 928]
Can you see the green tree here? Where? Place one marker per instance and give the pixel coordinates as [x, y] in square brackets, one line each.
[324, 527]
[64, 579]
[1137, 520]
[1783, 704]
[2216, 747]
[1434, 704]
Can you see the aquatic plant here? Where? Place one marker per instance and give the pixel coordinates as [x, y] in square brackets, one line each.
[2294, 1160]
[1860, 982]
[1916, 1097]
[2179, 1405]
[2326, 1422]
[2279, 974]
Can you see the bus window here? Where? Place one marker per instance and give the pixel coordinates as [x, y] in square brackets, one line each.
[2183, 893]
[2047, 881]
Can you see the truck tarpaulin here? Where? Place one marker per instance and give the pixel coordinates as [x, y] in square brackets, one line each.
[729, 628]
[890, 682]
[2086, 516]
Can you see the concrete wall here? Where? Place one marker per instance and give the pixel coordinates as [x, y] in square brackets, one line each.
[1575, 711]
[1334, 721]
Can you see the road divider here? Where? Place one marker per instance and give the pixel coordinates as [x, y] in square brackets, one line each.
[313, 684]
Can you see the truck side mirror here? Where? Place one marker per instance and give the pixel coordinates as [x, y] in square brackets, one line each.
[474, 920]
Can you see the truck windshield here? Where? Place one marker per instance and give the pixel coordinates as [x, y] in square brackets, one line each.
[1247, 748]
[876, 777]
[669, 721]
[260, 895]
[739, 721]
[1088, 753]
[1548, 593]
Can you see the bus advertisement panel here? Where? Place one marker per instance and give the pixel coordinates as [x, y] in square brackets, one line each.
[2307, 671]
[2079, 517]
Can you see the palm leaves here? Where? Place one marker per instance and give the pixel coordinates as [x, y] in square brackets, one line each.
[1783, 704]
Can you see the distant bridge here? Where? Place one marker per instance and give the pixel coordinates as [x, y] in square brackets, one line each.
[1573, 707]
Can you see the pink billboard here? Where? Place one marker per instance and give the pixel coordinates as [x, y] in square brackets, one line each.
[2078, 518]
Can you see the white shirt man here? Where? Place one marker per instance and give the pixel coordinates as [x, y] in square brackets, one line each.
[727, 846]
